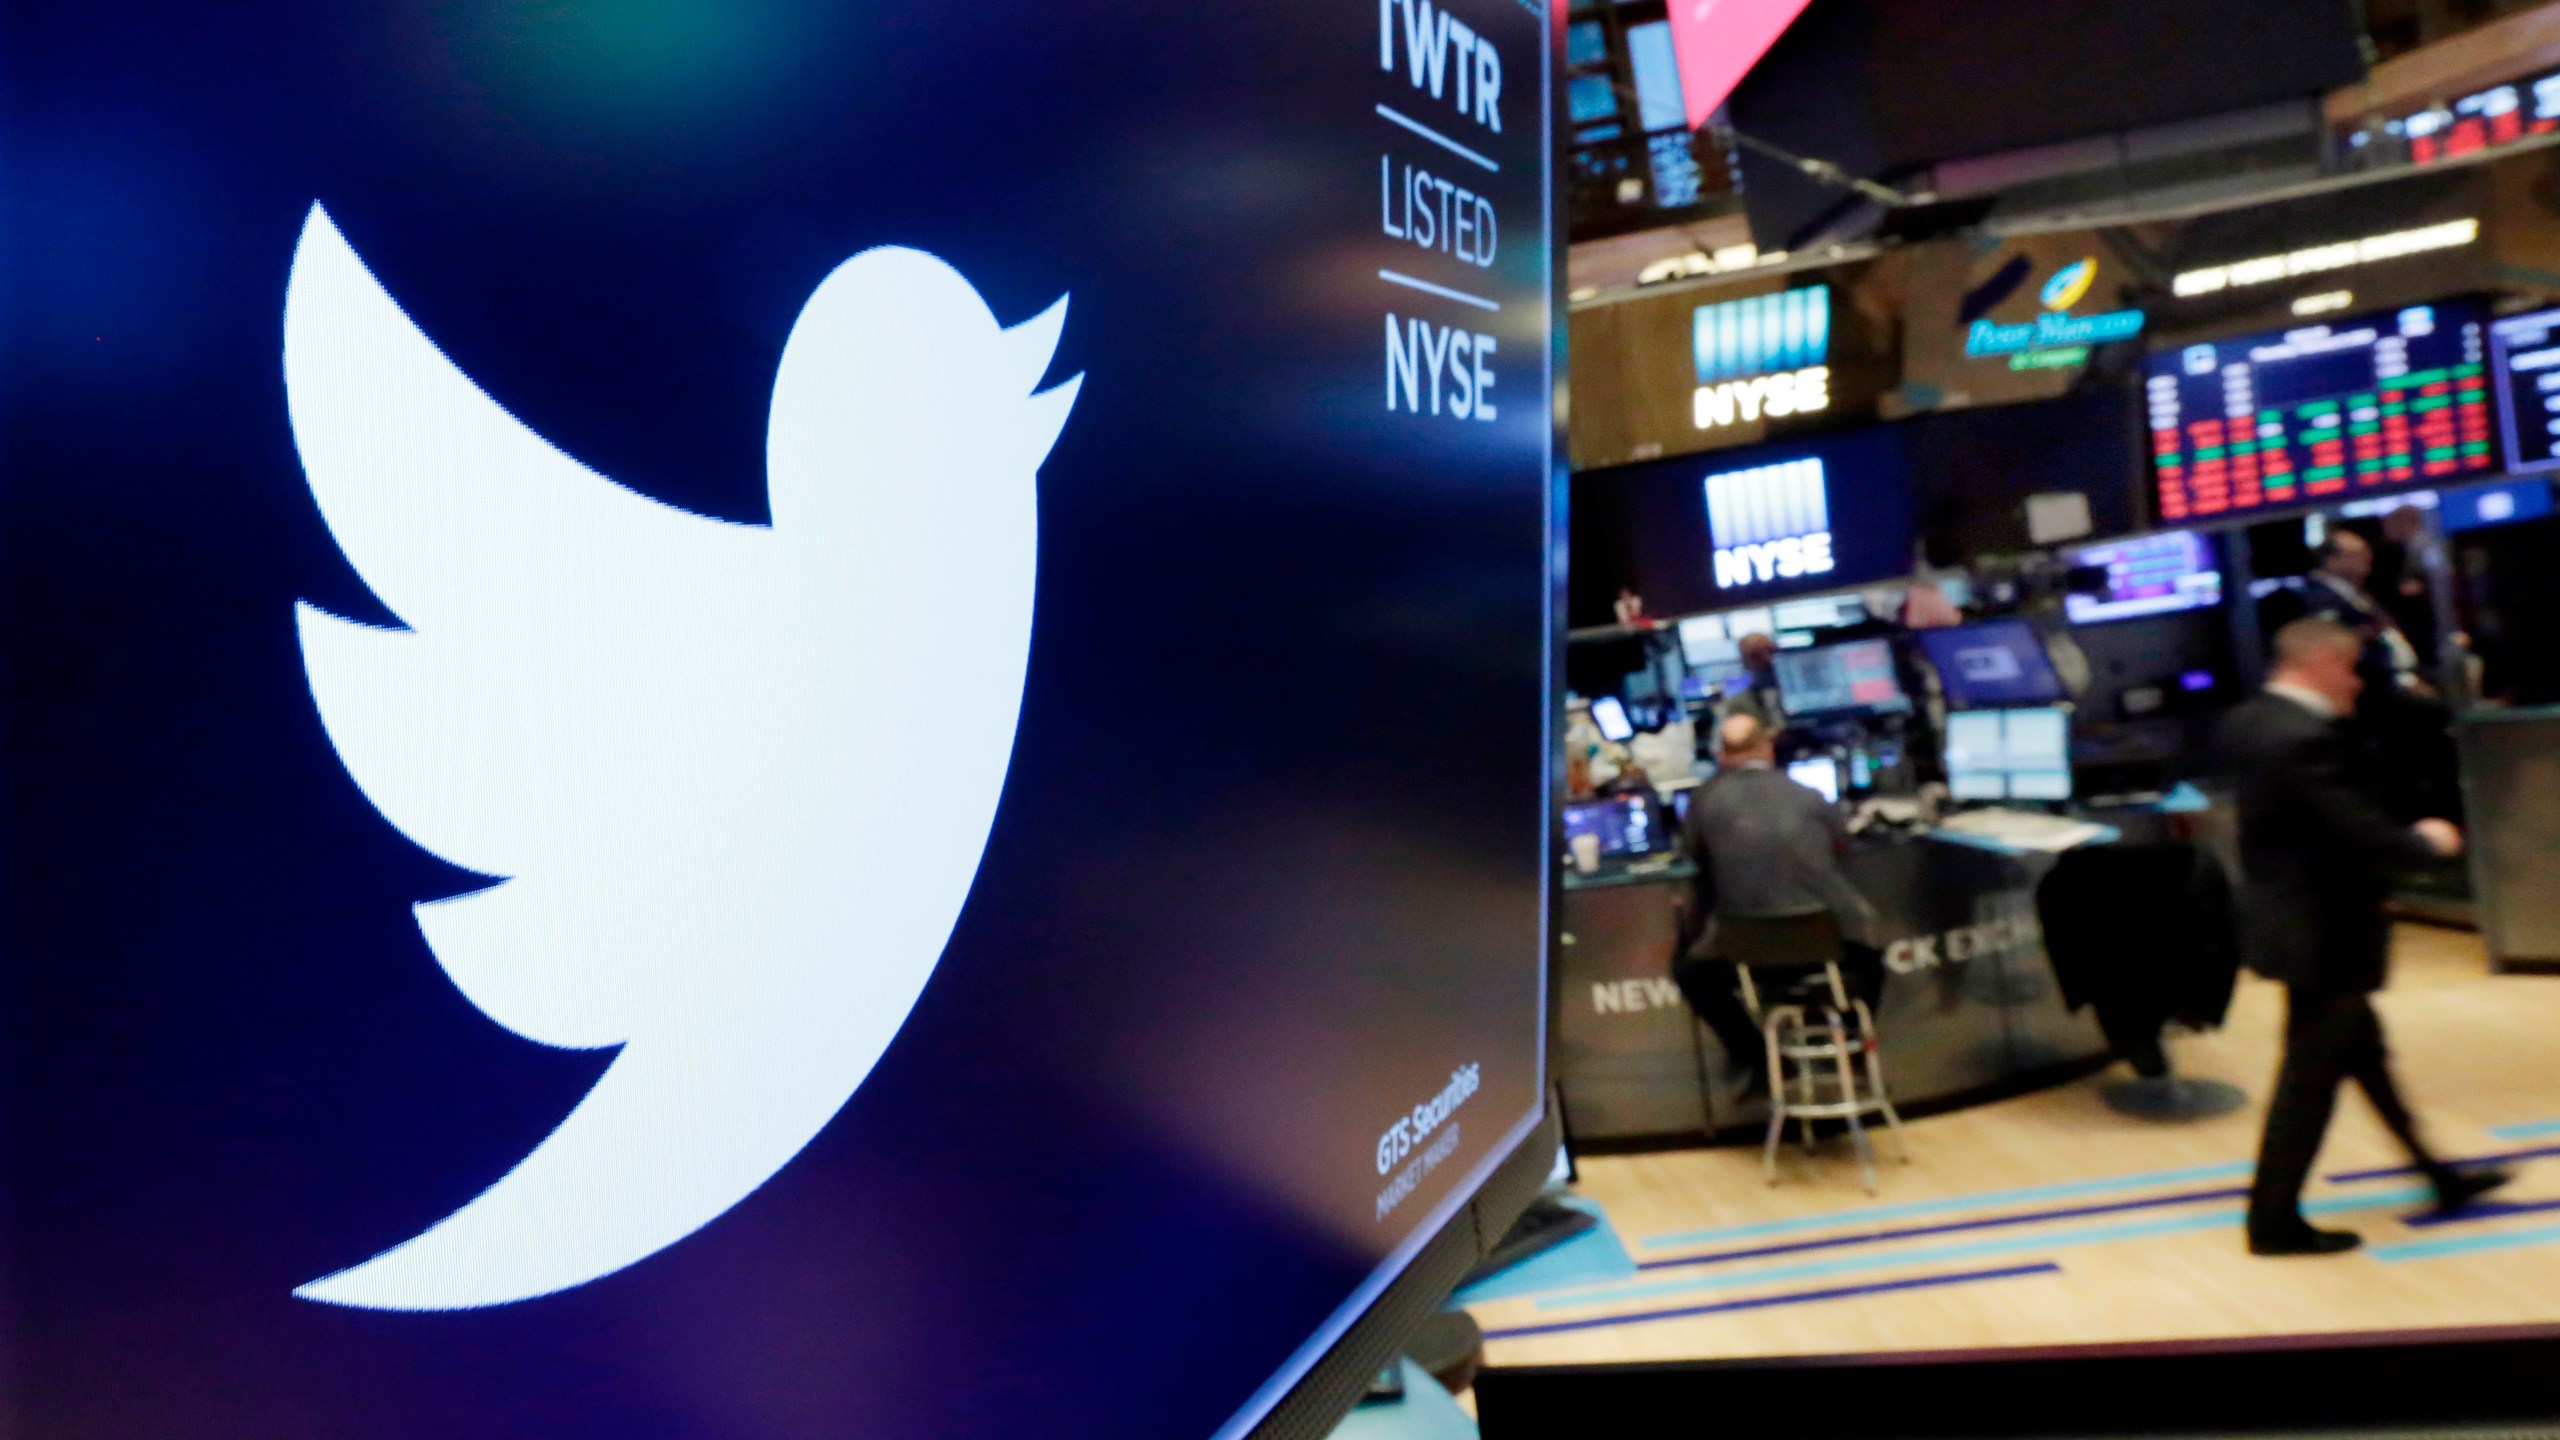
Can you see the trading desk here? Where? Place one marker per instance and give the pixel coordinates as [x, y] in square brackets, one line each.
[1970, 1002]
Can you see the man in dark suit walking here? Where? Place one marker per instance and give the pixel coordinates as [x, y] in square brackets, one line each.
[2315, 852]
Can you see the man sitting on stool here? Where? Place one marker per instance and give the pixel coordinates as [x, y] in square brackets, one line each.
[1764, 845]
[2315, 854]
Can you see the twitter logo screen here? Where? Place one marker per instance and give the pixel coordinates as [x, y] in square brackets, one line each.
[761, 719]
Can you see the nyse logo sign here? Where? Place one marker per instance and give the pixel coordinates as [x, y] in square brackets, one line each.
[1769, 523]
[1762, 356]
[1793, 392]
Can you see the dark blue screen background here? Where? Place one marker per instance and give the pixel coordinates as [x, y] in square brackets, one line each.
[1270, 860]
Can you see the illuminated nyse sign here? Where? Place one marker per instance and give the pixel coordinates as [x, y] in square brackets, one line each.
[1769, 523]
[1762, 357]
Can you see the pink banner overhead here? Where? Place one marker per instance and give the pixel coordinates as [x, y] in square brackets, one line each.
[1718, 41]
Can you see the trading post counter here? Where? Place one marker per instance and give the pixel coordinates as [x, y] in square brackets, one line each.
[1970, 1002]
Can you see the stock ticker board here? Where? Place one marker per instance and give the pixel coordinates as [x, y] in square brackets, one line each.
[2370, 403]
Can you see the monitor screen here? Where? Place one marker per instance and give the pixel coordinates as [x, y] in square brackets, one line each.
[2393, 399]
[2147, 575]
[1991, 665]
[1820, 774]
[1704, 641]
[1610, 714]
[1853, 679]
[2506, 503]
[1625, 825]
[2009, 754]
[1755, 620]
[513, 965]
[2524, 364]
[1825, 612]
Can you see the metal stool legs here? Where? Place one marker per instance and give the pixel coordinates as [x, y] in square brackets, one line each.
[1807, 1055]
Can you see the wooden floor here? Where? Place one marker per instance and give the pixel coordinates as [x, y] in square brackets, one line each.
[2155, 1254]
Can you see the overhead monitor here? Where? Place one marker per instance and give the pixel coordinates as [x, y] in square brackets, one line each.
[2009, 754]
[1857, 678]
[492, 948]
[2524, 363]
[2392, 399]
[1991, 665]
[2147, 575]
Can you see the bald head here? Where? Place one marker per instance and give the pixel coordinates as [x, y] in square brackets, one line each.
[2319, 654]
[1758, 650]
[1745, 738]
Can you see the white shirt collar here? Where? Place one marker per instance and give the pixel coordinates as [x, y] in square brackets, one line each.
[2309, 699]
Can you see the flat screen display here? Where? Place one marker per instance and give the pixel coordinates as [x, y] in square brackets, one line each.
[600, 833]
[1750, 526]
[1625, 825]
[2524, 363]
[2147, 575]
[1820, 775]
[1853, 679]
[2009, 754]
[1994, 664]
[2397, 398]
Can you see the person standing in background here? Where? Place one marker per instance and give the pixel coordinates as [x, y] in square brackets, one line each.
[2315, 852]
[1759, 698]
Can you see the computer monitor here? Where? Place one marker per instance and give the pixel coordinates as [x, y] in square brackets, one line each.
[1610, 714]
[1704, 640]
[1821, 773]
[2147, 575]
[1856, 678]
[1758, 620]
[1995, 664]
[2508, 502]
[2009, 754]
[1627, 826]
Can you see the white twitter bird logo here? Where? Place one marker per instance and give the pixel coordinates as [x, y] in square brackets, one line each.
[676, 739]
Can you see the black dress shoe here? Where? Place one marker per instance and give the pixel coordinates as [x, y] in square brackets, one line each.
[2303, 1241]
[2460, 1188]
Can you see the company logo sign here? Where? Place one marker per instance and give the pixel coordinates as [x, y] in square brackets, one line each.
[1769, 523]
[2056, 337]
[1762, 356]
[658, 734]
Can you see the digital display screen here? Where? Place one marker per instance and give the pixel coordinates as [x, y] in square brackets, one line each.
[1856, 678]
[2392, 399]
[2009, 755]
[2524, 357]
[2148, 575]
[1624, 825]
[1610, 714]
[1991, 665]
[1821, 775]
[597, 828]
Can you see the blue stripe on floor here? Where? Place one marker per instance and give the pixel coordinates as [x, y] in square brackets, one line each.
[1976, 1250]
[1769, 1302]
[2531, 1130]
[2494, 1157]
[2485, 1210]
[1984, 1200]
[2466, 1244]
[1948, 1227]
